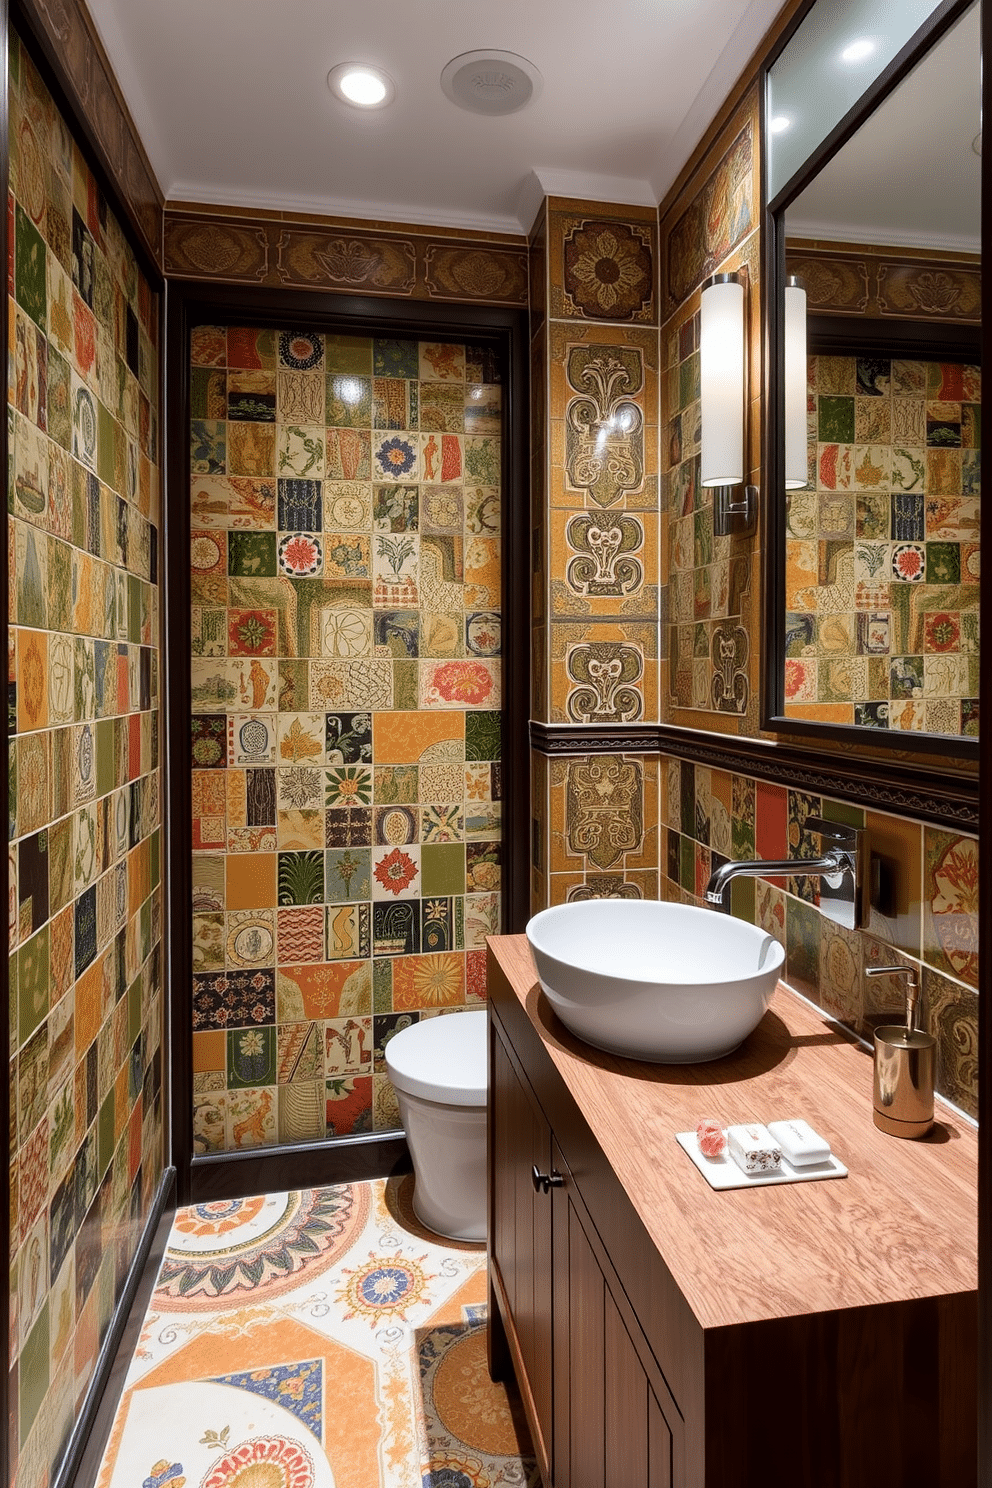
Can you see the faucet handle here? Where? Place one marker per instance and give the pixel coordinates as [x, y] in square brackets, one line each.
[906, 971]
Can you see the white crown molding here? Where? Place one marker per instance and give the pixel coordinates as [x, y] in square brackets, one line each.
[744, 41]
[882, 237]
[403, 215]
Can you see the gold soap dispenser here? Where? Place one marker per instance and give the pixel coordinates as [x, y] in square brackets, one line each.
[904, 1067]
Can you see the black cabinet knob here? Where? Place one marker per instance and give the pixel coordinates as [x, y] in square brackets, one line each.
[544, 1182]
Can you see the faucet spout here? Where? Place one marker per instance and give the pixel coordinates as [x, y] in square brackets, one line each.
[718, 889]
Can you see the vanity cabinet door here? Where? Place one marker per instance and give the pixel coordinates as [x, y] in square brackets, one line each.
[610, 1430]
[521, 1221]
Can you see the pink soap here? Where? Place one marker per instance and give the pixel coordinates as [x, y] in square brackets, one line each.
[711, 1138]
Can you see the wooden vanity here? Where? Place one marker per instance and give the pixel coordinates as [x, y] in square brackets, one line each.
[813, 1335]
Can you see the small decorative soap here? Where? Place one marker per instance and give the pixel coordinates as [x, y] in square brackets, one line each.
[753, 1148]
[711, 1139]
[800, 1144]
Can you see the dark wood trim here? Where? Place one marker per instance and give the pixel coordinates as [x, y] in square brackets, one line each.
[232, 1175]
[985, 879]
[607, 738]
[91, 1429]
[506, 330]
[941, 798]
[923, 340]
[6, 1446]
[78, 73]
[941, 19]
[852, 740]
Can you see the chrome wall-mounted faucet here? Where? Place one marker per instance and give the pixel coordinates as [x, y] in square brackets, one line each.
[844, 871]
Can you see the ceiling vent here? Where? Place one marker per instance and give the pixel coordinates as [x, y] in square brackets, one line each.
[491, 82]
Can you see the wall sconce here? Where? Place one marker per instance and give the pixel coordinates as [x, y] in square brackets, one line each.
[722, 364]
[796, 434]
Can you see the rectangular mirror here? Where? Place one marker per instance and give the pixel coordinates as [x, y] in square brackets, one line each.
[874, 562]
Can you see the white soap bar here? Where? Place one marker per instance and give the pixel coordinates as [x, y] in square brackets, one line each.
[753, 1148]
[800, 1144]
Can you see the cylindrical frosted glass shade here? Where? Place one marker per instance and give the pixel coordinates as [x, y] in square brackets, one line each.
[796, 466]
[721, 383]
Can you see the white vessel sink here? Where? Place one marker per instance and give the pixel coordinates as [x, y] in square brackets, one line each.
[650, 980]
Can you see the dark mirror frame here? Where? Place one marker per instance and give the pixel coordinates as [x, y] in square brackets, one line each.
[912, 340]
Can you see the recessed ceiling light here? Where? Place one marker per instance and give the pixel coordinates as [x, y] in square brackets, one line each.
[858, 50]
[779, 123]
[491, 82]
[360, 85]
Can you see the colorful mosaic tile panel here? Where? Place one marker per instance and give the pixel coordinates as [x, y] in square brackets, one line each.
[926, 919]
[368, 1372]
[345, 738]
[83, 715]
[883, 548]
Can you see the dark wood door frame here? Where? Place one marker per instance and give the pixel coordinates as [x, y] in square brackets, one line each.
[189, 304]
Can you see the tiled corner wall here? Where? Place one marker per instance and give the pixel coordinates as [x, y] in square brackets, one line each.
[83, 683]
[596, 550]
[710, 641]
[882, 548]
[346, 684]
[930, 918]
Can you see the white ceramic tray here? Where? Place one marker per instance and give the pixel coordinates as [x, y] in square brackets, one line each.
[723, 1172]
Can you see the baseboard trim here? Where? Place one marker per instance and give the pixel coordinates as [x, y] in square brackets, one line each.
[235, 1175]
[91, 1429]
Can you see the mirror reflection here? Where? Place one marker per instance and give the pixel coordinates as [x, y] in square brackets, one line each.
[883, 543]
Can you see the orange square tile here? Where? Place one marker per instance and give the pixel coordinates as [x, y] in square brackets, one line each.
[428, 981]
[251, 881]
[88, 1006]
[401, 738]
[209, 1051]
[32, 680]
[326, 990]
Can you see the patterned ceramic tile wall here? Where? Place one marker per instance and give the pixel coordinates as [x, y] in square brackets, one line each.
[882, 551]
[709, 651]
[596, 536]
[85, 855]
[346, 684]
[928, 919]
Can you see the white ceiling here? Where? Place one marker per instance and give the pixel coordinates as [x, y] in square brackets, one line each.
[909, 177]
[231, 101]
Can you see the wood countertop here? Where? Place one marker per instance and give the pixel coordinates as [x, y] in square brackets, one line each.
[902, 1225]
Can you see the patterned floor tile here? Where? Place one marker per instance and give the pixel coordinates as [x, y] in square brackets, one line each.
[316, 1339]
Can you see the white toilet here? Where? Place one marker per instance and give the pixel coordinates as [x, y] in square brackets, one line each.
[439, 1071]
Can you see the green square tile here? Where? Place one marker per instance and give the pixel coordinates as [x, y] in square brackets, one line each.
[106, 440]
[836, 420]
[382, 985]
[33, 983]
[59, 394]
[687, 866]
[134, 1010]
[251, 1057]
[106, 759]
[301, 877]
[802, 936]
[405, 684]
[348, 874]
[482, 735]
[33, 1371]
[839, 811]
[442, 868]
[742, 898]
[349, 354]
[30, 272]
[251, 555]
[59, 585]
[133, 609]
[349, 401]
[105, 1133]
[943, 563]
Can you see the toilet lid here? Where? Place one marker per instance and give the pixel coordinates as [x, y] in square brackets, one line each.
[442, 1059]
